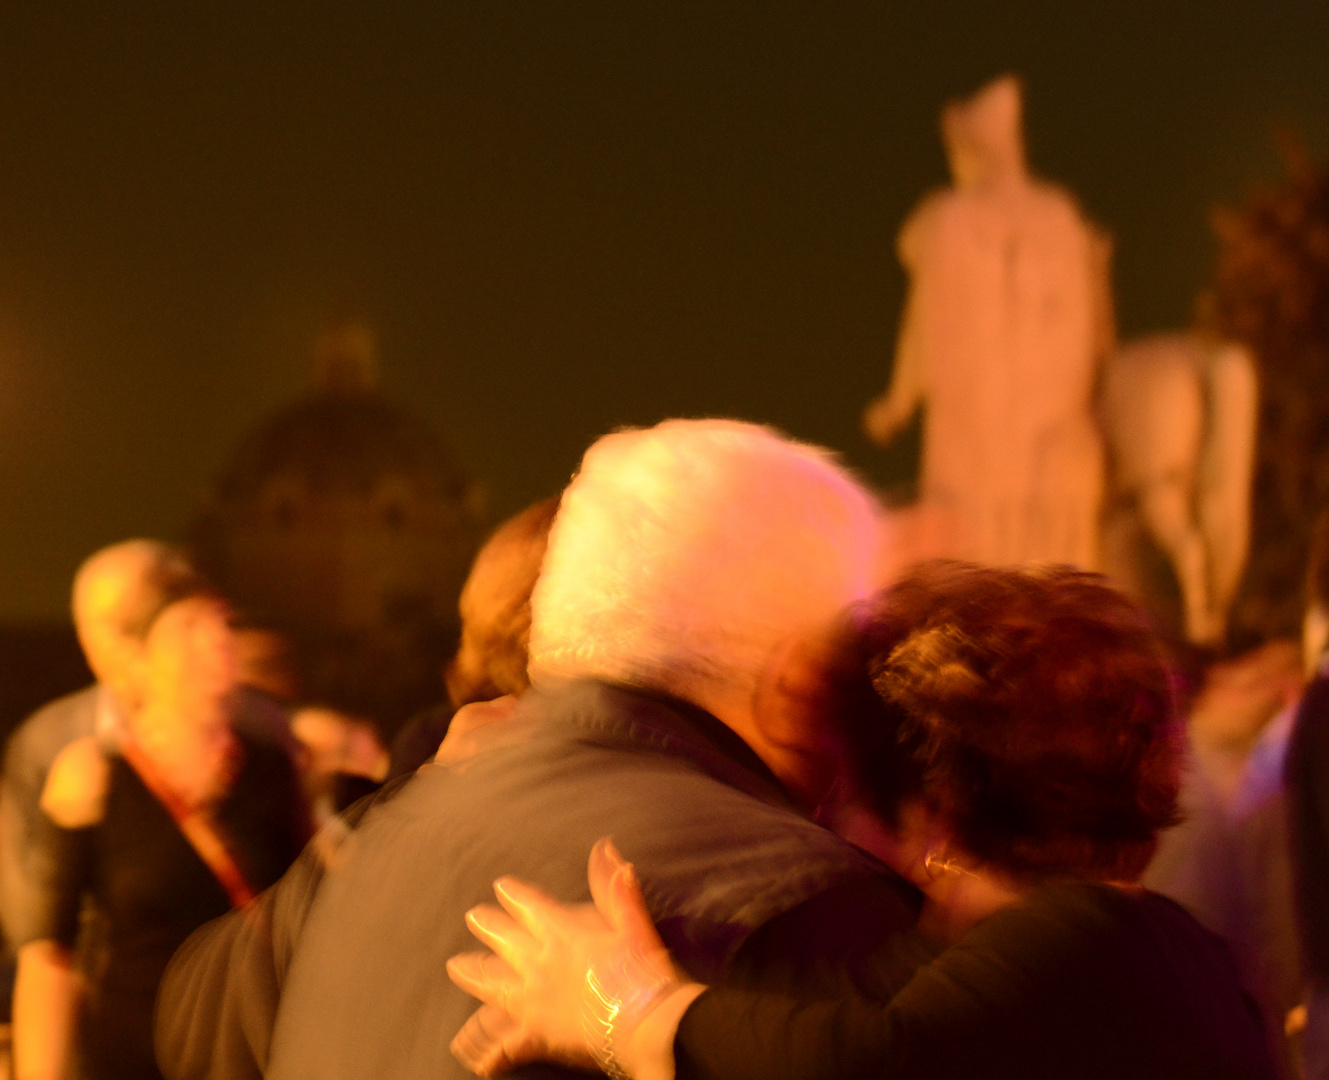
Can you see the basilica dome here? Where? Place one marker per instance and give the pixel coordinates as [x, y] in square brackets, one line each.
[345, 521]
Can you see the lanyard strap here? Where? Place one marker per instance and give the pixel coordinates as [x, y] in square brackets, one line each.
[198, 826]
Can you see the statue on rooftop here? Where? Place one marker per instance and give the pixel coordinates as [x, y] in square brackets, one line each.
[346, 522]
[1007, 317]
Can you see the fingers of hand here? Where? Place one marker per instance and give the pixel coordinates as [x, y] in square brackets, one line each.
[472, 1043]
[535, 911]
[485, 976]
[628, 910]
[501, 933]
[619, 900]
[600, 868]
[487, 1042]
[613, 880]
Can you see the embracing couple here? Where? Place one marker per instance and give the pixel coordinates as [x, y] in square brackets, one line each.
[989, 755]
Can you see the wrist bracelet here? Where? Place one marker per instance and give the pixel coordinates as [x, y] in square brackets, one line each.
[606, 1013]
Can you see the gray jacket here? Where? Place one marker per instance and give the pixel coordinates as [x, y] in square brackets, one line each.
[354, 964]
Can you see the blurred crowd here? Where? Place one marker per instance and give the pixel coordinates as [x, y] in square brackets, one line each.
[185, 780]
[843, 775]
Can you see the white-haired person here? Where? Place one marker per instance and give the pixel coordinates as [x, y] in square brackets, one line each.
[1015, 753]
[688, 569]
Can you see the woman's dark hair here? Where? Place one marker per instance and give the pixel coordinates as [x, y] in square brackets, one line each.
[1032, 708]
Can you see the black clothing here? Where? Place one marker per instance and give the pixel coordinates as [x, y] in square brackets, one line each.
[34, 746]
[29, 752]
[417, 742]
[1307, 778]
[150, 890]
[1084, 981]
[358, 978]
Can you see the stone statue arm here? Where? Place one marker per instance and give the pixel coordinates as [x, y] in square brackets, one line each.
[891, 411]
[1100, 277]
[887, 414]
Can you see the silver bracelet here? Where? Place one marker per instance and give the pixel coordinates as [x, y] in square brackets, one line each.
[598, 1022]
[603, 1009]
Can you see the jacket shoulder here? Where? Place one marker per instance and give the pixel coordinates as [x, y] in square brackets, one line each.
[36, 741]
[59, 721]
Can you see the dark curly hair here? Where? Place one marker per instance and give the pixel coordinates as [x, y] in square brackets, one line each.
[1032, 708]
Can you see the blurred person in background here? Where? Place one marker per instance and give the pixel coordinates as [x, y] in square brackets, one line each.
[1227, 862]
[495, 610]
[117, 593]
[265, 662]
[182, 818]
[1306, 779]
[1014, 750]
[339, 756]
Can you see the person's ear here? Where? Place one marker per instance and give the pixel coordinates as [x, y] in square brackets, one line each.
[789, 713]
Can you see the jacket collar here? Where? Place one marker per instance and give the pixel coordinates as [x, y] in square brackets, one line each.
[644, 720]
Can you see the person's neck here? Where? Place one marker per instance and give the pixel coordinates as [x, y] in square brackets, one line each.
[792, 765]
[959, 892]
[960, 897]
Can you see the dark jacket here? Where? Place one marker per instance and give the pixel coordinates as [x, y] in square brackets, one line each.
[1080, 980]
[28, 757]
[1307, 779]
[357, 974]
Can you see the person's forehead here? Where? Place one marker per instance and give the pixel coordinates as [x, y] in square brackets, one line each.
[115, 591]
[187, 616]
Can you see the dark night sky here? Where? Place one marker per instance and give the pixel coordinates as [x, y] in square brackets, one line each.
[559, 217]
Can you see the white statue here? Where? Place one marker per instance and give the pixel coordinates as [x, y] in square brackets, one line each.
[1007, 315]
[1179, 412]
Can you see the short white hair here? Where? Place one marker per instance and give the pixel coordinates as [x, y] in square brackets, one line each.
[683, 555]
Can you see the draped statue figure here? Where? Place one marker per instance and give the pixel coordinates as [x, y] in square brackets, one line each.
[1007, 316]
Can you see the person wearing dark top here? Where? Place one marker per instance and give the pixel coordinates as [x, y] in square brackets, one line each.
[685, 563]
[117, 592]
[1308, 816]
[152, 890]
[1015, 753]
[418, 740]
[1307, 785]
[495, 611]
[178, 821]
[1306, 782]
[1080, 979]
